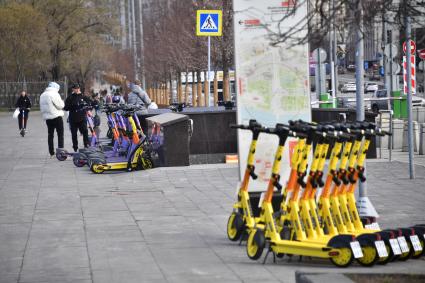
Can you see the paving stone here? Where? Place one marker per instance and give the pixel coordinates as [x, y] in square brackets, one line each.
[66, 224]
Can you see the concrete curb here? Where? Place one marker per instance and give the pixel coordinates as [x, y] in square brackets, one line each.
[302, 277]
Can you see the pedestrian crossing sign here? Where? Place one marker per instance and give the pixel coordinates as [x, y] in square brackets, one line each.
[209, 23]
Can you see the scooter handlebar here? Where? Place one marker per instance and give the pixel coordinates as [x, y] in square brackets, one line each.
[253, 175]
[278, 185]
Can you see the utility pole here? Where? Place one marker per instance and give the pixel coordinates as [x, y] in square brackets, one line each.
[334, 56]
[123, 27]
[142, 46]
[360, 70]
[133, 26]
[385, 60]
[360, 115]
[129, 22]
[409, 96]
[364, 205]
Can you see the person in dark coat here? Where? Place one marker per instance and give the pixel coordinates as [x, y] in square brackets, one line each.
[24, 105]
[77, 104]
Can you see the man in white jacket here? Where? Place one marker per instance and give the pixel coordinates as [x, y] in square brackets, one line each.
[51, 105]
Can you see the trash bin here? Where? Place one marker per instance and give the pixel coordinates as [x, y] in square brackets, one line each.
[169, 133]
[397, 135]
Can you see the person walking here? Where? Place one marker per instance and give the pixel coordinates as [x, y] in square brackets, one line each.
[77, 104]
[24, 105]
[139, 97]
[51, 105]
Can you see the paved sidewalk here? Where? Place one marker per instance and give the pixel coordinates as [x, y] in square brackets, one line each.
[59, 223]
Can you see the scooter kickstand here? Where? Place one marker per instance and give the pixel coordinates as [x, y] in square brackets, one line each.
[243, 237]
[269, 250]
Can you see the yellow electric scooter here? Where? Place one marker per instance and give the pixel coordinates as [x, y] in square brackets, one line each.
[304, 210]
[330, 205]
[242, 217]
[338, 250]
[405, 236]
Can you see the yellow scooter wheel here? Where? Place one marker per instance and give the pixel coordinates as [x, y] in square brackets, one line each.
[345, 257]
[234, 232]
[370, 256]
[146, 163]
[97, 168]
[255, 244]
[387, 259]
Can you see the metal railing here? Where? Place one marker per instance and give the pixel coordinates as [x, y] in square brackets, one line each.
[10, 91]
[390, 138]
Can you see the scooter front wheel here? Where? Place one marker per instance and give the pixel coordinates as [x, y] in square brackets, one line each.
[344, 258]
[370, 256]
[234, 232]
[255, 244]
[61, 155]
[97, 167]
[78, 161]
[146, 163]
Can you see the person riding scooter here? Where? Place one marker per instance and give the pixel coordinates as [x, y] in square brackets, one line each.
[24, 105]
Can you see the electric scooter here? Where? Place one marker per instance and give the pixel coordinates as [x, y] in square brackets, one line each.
[119, 140]
[137, 157]
[242, 218]
[338, 249]
[298, 219]
[23, 130]
[395, 242]
[62, 154]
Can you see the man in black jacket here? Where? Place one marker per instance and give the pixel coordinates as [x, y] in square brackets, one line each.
[77, 104]
[24, 105]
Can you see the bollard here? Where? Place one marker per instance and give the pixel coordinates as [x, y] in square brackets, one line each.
[397, 134]
[421, 115]
[422, 140]
[415, 137]
[415, 113]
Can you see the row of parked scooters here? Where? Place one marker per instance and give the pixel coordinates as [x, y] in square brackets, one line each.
[314, 214]
[125, 148]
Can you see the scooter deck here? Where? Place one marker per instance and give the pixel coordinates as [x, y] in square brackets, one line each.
[303, 248]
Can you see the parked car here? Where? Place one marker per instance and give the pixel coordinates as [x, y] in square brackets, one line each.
[351, 68]
[349, 87]
[370, 87]
[382, 104]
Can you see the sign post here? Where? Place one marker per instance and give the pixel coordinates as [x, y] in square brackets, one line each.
[409, 52]
[209, 23]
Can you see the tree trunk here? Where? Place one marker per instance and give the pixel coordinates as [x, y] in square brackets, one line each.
[206, 90]
[55, 71]
[179, 87]
[199, 91]
[193, 90]
[226, 95]
[186, 88]
[215, 89]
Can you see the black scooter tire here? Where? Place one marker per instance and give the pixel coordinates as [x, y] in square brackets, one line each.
[61, 155]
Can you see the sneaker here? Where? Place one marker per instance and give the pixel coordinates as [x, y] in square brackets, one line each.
[52, 156]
